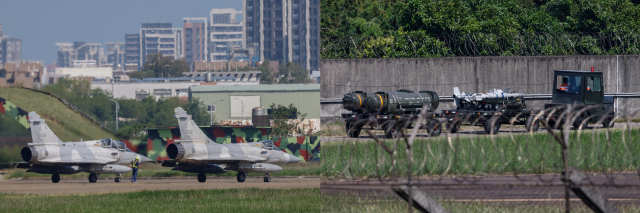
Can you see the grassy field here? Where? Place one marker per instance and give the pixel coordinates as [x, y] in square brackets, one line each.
[65, 123]
[157, 171]
[535, 153]
[231, 200]
[342, 203]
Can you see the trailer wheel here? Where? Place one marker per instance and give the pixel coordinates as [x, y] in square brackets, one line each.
[607, 123]
[453, 128]
[434, 128]
[578, 122]
[391, 130]
[352, 130]
[492, 126]
[530, 125]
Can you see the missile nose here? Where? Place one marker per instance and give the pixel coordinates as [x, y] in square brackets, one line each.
[293, 159]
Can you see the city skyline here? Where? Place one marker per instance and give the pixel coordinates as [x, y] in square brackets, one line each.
[95, 28]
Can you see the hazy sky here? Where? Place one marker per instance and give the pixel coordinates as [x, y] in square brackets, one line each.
[40, 24]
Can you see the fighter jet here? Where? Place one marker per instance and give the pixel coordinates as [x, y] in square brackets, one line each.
[196, 153]
[49, 155]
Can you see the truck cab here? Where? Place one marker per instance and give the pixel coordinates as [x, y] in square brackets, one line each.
[584, 88]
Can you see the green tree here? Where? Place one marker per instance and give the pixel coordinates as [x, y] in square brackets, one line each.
[284, 124]
[158, 66]
[267, 75]
[292, 73]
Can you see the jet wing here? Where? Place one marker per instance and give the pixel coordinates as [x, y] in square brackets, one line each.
[84, 162]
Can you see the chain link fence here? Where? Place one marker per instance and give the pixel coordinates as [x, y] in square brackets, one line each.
[419, 45]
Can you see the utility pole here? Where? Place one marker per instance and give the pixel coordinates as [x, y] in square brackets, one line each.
[242, 109]
[211, 112]
[117, 108]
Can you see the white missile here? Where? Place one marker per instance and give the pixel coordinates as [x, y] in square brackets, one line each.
[493, 94]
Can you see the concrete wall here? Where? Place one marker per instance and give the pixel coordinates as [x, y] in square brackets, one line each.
[525, 74]
[97, 72]
[128, 89]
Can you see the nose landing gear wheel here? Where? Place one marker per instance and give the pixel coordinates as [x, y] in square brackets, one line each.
[241, 176]
[202, 177]
[118, 179]
[267, 178]
[93, 178]
[55, 178]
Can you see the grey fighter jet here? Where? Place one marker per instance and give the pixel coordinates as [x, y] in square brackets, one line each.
[49, 155]
[196, 153]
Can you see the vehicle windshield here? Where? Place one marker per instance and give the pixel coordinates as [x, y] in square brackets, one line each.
[106, 142]
[568, 84]
[269, 145]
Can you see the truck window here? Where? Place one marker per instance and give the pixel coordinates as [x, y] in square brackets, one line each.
[568, 84]
[594, 84]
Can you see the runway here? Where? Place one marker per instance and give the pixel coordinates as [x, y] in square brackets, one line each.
[75, 186]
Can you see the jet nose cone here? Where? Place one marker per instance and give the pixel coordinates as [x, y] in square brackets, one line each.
[293, 159]
[144, 159]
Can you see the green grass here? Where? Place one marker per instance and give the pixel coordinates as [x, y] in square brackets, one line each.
[535, 153]
[230, 200]
[157, 171]
[347, 203]
[64, 122]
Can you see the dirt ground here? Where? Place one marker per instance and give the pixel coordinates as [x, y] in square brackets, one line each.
[73, 186]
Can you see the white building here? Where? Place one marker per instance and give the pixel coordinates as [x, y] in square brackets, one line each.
[225, 33]
[85, 68]
[160, 38]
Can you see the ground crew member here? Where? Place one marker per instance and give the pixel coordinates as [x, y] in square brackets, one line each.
[565, 84]
[135, 164]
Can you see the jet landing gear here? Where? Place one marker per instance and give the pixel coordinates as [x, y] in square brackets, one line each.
[267, 178]
[118, 179]
[93, 178]
[241, 176]
[55, 178]
[202, 177]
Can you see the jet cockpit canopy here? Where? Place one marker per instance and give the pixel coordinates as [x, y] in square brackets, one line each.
[106, 142]
[269, 145]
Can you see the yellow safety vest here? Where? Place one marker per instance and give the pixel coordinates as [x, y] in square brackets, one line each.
[134, 164]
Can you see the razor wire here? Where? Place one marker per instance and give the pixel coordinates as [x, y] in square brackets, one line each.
[473, 166]
[418, 45]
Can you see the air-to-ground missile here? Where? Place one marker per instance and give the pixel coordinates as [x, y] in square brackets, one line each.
[400, 102]
[492, 100]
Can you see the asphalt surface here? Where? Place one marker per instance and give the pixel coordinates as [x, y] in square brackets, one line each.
[619, 188]
[466, 132]
[74, 186]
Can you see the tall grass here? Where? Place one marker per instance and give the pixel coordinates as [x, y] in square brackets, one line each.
[230, 200]
[504, 154]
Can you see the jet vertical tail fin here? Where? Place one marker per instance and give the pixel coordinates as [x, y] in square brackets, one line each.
[40, 132]
[188, 129]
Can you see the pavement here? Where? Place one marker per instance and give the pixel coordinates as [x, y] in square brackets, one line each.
[74, 186]
[618, 188]
[468, 131]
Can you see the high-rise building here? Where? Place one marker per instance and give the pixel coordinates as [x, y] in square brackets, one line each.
[70, 52]
[160, 38]
[132, 51]
[10, 48]
[115, 55]
[195, 39]
[225, 34]
[285, 30]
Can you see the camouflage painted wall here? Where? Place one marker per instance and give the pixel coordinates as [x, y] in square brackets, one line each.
[158, 139]
[15, 112]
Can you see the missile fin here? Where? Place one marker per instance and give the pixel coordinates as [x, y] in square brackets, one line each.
[456, 91]
[507, 90]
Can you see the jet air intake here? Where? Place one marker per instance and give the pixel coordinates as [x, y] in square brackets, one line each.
[175, 151]
[29, 154]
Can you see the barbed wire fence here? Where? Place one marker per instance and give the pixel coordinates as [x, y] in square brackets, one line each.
[515, 165]
[420, 45]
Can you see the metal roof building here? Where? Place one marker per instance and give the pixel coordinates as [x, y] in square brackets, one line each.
[305, 97]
